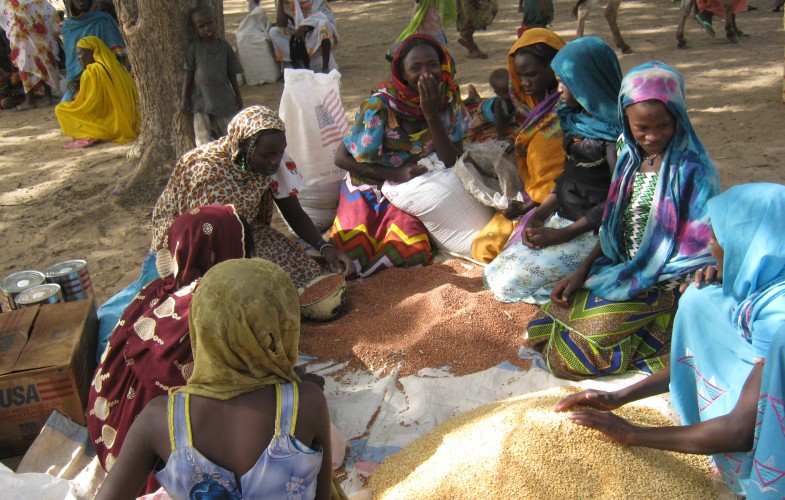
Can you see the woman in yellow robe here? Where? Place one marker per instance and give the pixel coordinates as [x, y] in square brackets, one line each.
[538, 142]
[105, 107]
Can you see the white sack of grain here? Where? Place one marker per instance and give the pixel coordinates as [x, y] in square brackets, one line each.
[438, 199]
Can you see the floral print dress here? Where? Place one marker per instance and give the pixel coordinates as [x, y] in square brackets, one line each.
[32, 31]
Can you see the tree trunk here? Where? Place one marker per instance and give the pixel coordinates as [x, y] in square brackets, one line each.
[157, 34]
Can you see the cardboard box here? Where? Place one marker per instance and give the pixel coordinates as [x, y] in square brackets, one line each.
[47, 360]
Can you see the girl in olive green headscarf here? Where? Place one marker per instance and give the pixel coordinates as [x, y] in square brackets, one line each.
[240, 406]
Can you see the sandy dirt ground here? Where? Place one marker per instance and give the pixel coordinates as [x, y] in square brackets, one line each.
[56, 204]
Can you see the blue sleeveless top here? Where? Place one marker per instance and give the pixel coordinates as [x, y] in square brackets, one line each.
[287, 468]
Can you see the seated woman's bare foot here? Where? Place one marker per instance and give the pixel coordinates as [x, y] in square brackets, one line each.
[472, 96]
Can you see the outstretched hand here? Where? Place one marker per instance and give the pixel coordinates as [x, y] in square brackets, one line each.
[601, 400]
[339, 261]
[609, 424]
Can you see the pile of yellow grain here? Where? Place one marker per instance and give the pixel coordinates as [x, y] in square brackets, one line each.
[520, 448]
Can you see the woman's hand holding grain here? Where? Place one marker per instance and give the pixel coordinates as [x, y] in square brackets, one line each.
[339, 262]
[609, 424]
[602, 400]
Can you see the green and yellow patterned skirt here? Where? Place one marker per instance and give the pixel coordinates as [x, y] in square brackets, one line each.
[595, 337]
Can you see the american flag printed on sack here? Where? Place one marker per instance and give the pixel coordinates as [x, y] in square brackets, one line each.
[332, 120]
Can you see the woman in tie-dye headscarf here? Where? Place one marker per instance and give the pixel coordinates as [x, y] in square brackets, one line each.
[727, 373]
[655, 231]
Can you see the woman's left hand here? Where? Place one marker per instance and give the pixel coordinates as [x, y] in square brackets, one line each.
[431, 91]
[609, 424]
[339, 261]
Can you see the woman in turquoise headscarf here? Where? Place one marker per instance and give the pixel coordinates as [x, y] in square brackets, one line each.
[654, 232]
[84, 19]
[728, 357]
[560, 233]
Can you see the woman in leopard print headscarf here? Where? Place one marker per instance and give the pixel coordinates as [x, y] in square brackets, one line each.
[249, 168]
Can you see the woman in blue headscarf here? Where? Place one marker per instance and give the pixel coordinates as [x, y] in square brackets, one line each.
[654, 232]
[84, 19]
[728, 356]
[561, 232]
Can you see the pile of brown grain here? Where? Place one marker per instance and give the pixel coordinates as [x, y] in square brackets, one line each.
[521, 448]
[433, 317]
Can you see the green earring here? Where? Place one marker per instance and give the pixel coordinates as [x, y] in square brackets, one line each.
[244, 165]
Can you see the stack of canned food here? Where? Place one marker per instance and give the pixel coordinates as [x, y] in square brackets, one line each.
[63, 282]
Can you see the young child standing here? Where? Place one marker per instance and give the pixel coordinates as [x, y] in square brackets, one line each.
[210, 89]
[244, 425]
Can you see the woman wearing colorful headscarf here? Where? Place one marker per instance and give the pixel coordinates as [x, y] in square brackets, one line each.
[615, 312]
[417, 113]
[560, 233]
[84, 19]
[538, 142]
[249, 169]
[245, 425]
[31, 28]
[150, 350]
[104, 108]
[727, 370]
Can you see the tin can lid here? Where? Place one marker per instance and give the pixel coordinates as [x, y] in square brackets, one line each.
[18, 282]
[64, 268]
[37, 294]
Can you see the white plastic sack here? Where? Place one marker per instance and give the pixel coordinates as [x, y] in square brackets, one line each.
[490, 175]
[33, 485]
[255, 49]
[438, 199]
[315, 121]
[316, 62]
